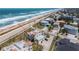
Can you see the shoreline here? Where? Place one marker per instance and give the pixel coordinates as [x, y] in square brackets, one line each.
[37, 14]
[8, 28]
[15, 26]
[12, 32]
[22, 27]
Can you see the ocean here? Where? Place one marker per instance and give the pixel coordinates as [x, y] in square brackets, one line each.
[10, 16]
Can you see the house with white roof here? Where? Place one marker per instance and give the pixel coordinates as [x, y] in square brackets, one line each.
[40, 37]
[72, 38]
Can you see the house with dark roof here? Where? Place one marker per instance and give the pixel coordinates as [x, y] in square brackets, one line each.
[66, 45]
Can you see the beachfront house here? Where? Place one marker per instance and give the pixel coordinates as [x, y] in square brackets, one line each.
[50, 20]
[57, 16]
[31, 35]
[47, 21]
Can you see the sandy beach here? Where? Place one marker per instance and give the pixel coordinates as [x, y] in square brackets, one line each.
[12, 31]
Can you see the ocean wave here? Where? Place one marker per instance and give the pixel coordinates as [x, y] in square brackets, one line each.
[16, 19]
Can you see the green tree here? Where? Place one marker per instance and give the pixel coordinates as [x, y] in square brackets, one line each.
[50, 27]
[64, 31]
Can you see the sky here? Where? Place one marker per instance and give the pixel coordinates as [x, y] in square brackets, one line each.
[39, 3]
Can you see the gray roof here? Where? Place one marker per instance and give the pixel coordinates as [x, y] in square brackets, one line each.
[71, 29]
[66, 45]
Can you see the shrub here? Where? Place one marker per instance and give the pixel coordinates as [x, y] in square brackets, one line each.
[36, 47]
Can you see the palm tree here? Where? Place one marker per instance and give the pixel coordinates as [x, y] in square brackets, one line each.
[50, 27]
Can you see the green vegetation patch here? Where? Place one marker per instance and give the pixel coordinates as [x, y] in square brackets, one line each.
[37, 47]
[38, 25]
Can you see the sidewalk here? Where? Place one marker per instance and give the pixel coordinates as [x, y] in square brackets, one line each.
[47, 44]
